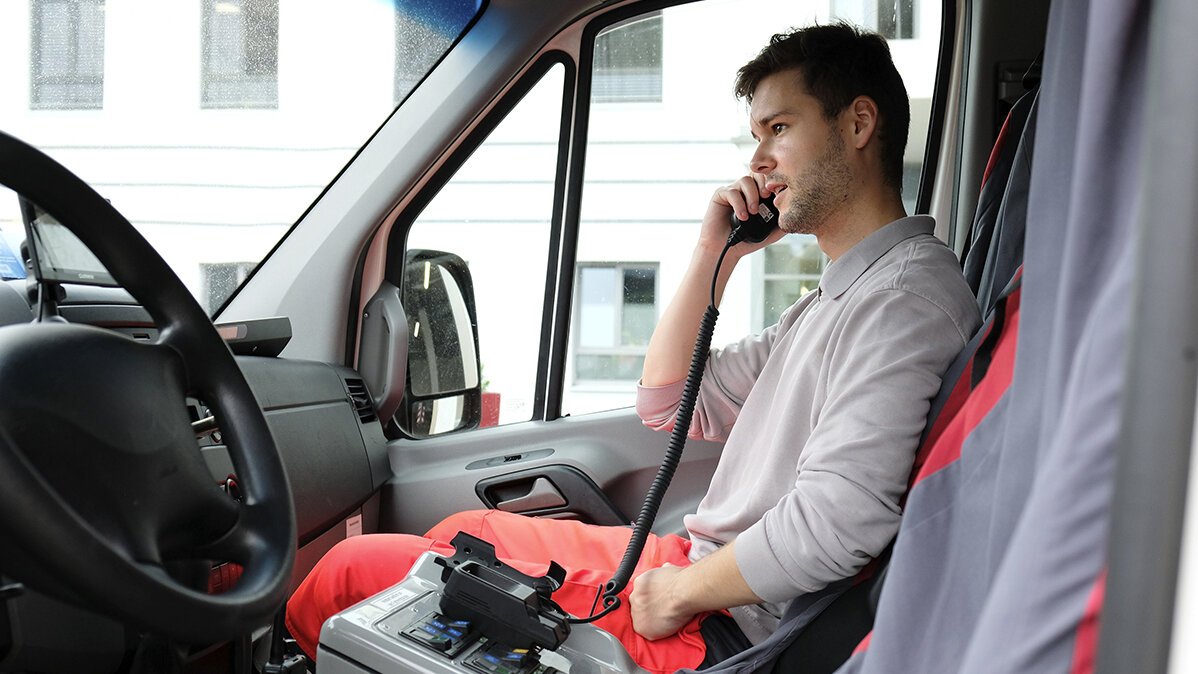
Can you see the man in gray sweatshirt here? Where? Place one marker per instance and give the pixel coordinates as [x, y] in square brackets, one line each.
[821, 413]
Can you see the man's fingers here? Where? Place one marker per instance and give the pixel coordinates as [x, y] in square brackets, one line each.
[742, 195]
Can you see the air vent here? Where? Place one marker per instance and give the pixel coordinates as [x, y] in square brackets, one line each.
[361, 399]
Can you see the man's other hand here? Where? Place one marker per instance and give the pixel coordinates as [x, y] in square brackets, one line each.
[664, 600]
[655, 604]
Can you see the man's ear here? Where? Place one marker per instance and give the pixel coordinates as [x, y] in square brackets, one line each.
[863, 115]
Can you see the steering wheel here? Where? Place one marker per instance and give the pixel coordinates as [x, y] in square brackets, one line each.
[103, 488]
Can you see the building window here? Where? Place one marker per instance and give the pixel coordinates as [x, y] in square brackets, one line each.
[628, 62]
[617, 311]
[240, 54]
[219, 280]
[792, 268]
[67, 55]
[892, 19]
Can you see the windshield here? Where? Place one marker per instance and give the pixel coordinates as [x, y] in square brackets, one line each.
[211, 125]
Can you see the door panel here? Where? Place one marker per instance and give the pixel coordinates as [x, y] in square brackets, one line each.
[440, 476]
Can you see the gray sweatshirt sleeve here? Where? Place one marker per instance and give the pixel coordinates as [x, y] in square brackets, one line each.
[727, 379]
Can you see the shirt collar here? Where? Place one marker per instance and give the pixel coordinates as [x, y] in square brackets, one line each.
[840, 274]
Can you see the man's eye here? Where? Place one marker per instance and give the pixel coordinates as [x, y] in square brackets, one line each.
[778, 128]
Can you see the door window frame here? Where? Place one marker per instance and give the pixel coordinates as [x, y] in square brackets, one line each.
[554, 369]
[472, 140]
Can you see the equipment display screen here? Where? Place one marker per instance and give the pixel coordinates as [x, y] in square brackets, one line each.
[59, 255]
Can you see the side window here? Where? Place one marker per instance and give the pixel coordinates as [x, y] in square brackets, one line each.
[654, 161]
[495, 214]
[67, 55]
[240, 49]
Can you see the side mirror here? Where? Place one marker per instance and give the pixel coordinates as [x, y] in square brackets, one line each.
[443, 391]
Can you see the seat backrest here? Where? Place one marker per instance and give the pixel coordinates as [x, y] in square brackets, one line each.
[995, 246]
[976, 379]
[998, 563]
[996, 243]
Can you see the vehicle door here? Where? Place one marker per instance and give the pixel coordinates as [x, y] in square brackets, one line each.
[572, 206]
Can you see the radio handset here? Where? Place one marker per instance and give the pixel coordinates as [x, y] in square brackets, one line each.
[759, 225]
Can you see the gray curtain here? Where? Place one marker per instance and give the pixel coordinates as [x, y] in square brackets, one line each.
[1002, 552]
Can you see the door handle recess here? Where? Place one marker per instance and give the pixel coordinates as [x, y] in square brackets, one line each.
[541, 495]
[553, 490]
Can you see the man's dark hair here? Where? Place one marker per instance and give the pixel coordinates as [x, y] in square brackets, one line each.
[839, 62]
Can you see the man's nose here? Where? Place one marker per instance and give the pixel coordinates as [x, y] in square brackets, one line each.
[761, 161]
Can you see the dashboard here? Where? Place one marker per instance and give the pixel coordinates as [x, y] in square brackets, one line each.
[321, 414]
[331, 443]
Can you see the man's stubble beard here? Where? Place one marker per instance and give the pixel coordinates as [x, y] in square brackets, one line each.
[821, 189]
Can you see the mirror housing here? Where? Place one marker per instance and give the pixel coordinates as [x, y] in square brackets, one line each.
[383, 351]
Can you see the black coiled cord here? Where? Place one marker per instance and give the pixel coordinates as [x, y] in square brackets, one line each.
[609, 591]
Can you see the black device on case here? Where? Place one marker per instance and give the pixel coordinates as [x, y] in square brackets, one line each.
[507, 606]
[758, 226]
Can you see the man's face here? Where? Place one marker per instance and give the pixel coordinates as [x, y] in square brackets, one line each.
[800, 153]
